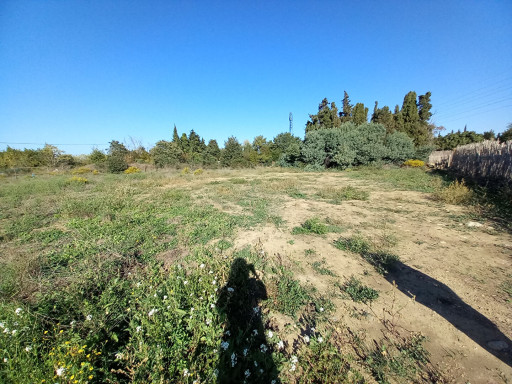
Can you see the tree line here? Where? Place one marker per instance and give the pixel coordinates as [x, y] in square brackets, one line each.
[332, 138]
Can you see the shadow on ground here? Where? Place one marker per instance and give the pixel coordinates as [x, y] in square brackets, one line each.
[245, 355]
[441, 299]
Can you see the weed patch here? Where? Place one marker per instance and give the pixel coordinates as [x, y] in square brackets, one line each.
[456, 193]
[337, 195]
[359, 292]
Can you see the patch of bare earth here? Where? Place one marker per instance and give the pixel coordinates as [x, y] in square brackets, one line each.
[447, 283]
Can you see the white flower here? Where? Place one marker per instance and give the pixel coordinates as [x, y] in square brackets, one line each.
[201, 298]
[228, 332]
[201, 266]
[5, 360]
[155, 295]
[254, 332]
[211, 272]
[270, 333]
[185, 372]
[152, 312]
[28, 348]
[280, 345]
[18, 311]
[212, 305]
[256, 310]
[2, 325]
[261, 370]
[72, 323]
[7, 330]
[247, 373]
[216, 289]
[293, 368]
[224, 345]
[263, 348]
[320, 339]
[88, 317]
[165, 297]
[246, 351]
[294, 359]
[231, 289]
[192, 309]
[273, 382]
[138, 329]
[306, 339]
[14, 331]
[119, 355]
[208, 321]
[138, 284]
[321, 309]
[214, 282]
[185, 282]
[168, 307]
[255, 363]
[233, 359]
[60, 371]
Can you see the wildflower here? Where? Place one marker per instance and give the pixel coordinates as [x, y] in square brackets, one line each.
[5, 360]
[18, 311]
[119, 355]
[192, 309]
[201, 298]
[246, 351]
[60, 371]
[273, 382]
[263, 348]
[280, 345]
[294, 359]
[208, 321]
[165, 297]
[320, 339]
[7, 330]
[224, 345]
[261, 370]
[247, 373]
[321, 309]
[214, 282]
[233, 359]
[72, 323]
[138, 329]
[293, 368]
[88, 317]
[185, 282]
[256, 310]
[230, 290]
[28, 348]
[152, 312]
[201, 266]
[228, 333]
[254, 332]
[185, 372]
[212, 305]
[306, 339]
[155, 295]
[2, 325]
[255, 363]
[270, 333]
[211, 272]
[14, 331]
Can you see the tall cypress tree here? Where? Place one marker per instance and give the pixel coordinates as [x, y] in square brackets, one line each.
[424, 107]
[175, 136]
[360, 114]
[346, 113]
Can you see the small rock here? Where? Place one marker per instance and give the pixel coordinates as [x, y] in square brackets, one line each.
[497, 345]
[474, 224]
[442, 242]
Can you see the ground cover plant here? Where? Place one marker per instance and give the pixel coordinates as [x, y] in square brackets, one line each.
[191, 277]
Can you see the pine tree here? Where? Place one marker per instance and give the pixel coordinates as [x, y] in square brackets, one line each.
[346, 114]
[424, 107]
[398, 121]
[360, 114]
[175, 136]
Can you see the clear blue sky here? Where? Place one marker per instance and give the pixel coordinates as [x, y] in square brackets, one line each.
[87, 72]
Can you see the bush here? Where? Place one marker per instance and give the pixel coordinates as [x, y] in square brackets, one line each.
[185, 171]
[78, 179]
[132, 170]
[116, 163]
[198, 172]
[359, 292]
[455, 193]
[414, 163]
[81, 171]
[311, 226]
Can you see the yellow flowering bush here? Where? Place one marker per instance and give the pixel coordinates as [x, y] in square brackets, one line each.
[414, 163]
[185, 171]
[78, 179]
[198, 171]
[81, 171]
[132, 170]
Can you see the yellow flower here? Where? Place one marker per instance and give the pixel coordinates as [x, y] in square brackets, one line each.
[72, 377]
[80, 351]
[45, 332]
[90, 377]
[61, 331]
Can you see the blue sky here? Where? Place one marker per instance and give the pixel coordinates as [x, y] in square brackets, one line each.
[88, 72]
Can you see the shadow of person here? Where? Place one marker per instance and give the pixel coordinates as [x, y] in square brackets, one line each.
[441, 299]
[245, 355]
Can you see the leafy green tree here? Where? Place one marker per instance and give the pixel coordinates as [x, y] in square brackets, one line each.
[263, 151]
[506, 135]
[116, 158]
[398, 120]
[97, 156]
[232, 154]
[489, 135]
[175, 136]
[400, 147]
[184, 142]
[453, 140]
[360, 114]
[326, 118]
[166, 153]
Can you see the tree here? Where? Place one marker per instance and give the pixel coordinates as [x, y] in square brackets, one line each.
[506, 135]
[232, 154]
[424, 107]
[326, 118]
[346, 113]
[398, 121]
[383, 116]
[360, 114]
[116, 158]
[97, 157]
[175, 136]
[489, 135]
[211, 154]
[166, 153]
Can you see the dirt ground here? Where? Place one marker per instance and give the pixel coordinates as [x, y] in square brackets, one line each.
[446, 285]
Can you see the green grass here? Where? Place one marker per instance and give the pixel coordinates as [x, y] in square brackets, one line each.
[321, 268]
[314, 226]
[337, 195]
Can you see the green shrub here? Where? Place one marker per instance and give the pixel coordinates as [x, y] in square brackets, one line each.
[311, 226]
[359, 292]
[456, 193]
[116, 163]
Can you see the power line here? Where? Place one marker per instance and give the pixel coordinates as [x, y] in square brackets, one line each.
[478, 113]
[472, 108]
